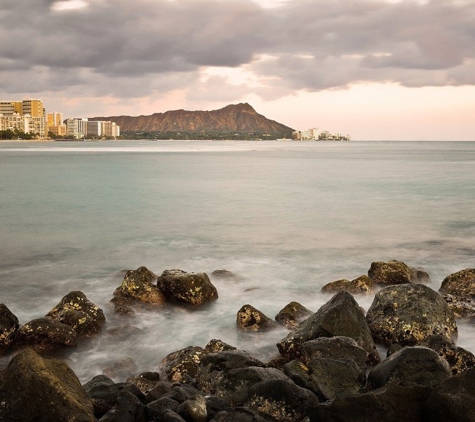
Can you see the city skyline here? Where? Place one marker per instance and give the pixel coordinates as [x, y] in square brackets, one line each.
[376, 69]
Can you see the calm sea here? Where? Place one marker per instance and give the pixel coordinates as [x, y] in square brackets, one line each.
[287, 217]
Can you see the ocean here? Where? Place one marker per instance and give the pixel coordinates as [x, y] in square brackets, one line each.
[285, 217]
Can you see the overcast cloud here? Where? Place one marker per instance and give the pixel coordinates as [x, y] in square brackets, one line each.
[125, 49]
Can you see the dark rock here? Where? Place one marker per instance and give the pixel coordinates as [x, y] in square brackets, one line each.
[362, 285]
[407, 314]
[121, 369]
[168, 415]
[282, 400]
[103, 393]
[249, 318]
[158, 391]
[341, 316]
[194, 409]
[410, 366]
[460, 284]
[144, 381]
[34, 389]
[391, 403]
[340, 348]
[278, 362]
[129, 409]
[124, 333]
[298, 373]
[458, 358]
[216, 346]
[156, 408]
[292, 315]
[462, 307]
[214, 405]
[185, 361]
[189, 288]
[182, 392]
[214, 366]
[223, 274]
[332, 378]
[79, 313]
[453, 400]
[241, 414]
[137, 288]
[396, 272]
[8, 328]
[46, 335]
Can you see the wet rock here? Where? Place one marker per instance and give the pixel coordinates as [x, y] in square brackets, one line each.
[34, 389]
[157, 408]
[144, 381]
[297, 371]
[410, 366]
[462, 307]
[8, 328]
[396, 272]
[158, 391]
[292, 315]
[408, 314]
[251, 319]
[128, 409]
[137, 288]
[241, 414]
[224, 274]
[46, 335]
[458, 358]
[340, 348]
[124, 333]
[79, 313]
[282, 400]
[278, 362]
[362, 285]
[216, 346]
[460, 284]
[183, 362]
[453, 400]
[214, 405]
[182, 392]
[121, 369]
[341, 316]
[194, 409]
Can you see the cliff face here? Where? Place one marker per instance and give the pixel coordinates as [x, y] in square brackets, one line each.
[232, 118]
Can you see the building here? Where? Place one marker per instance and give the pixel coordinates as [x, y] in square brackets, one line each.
[94, 129]
[306, 135]
[55, 124]
[76, 127]
[26, 116]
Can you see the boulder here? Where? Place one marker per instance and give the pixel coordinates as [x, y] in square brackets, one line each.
[249, 318]
[137, 288]
[241, 414]
[183, 362]
[121, 369]
[407, 314]
[410, 366]
[144, 381]
[396, 272]
[8, 328]
[298, 373]
[216, 346]
[158, 391]
[194, 409]
[292, 315]
[224, 274]
[157, 408]
[362, 285]
[34, 389]
[78, 312]
[46, 335]
[282, 400]
[460, 284]
[453, 400]
[341, 316]
[458, 358]
[214, 405]
[462, 307]
[190, 288]
[128, 409]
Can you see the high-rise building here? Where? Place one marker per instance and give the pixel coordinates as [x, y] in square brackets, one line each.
[27, 116]
[35, 108]
[55, 124]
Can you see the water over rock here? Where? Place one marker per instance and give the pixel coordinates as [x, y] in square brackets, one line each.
[396, 272]
[407, 314]
[8, 328]
[249, 318]
[292, 315]
[460, 284]
[361, 285]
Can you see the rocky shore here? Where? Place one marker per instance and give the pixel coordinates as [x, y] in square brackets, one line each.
[397, 362]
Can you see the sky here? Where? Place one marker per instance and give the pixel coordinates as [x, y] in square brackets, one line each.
[374, 69]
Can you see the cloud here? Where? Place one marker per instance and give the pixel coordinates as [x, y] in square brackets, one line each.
[126, 49]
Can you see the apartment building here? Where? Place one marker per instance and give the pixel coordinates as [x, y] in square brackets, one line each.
[27, 116]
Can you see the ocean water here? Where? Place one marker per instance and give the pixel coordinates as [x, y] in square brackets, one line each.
[286, 217]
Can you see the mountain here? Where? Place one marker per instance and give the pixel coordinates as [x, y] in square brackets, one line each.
[240, 118]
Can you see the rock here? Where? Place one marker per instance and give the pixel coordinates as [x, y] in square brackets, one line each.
[332, 378]
[251, 319]
[460, 284]
[156, 408]
[121, 369]
[144, 381]
[453, 400]
[361, 285]
[407, 314]
[340, 348]
[190, 288]
[194, 409]
[137, 288]
[157, 392]
[214, 405]
[185, 361]
[341, 316]
[282, 400]
[292, 315]
[124, 333]
[34, 389]
[458, 358]
[46, 335]
[410, 366]
[396, 272]
[216, 346]
[182, 392]
[225, 274]
[79, 313]
[462, 307]
[8, 328]
[129, 409]
[298, 373]
[168, 415]
[241, 414]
